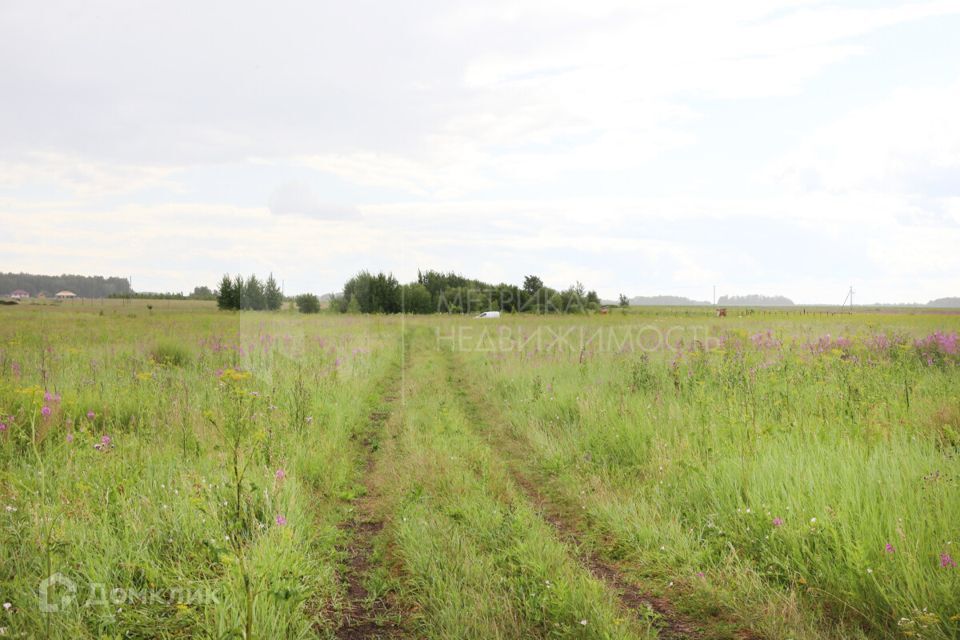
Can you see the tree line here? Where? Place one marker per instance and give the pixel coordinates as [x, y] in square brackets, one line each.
[438, 292]
[237, 293]
[83, 286]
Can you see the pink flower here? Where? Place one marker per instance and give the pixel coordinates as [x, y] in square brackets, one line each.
[889, 548]
[281, 520]
[280, 474]
[3, 426]
[46, 411]
[105, 441]
[69, 438]
[778, 522]
[946, 561]
[91, 415]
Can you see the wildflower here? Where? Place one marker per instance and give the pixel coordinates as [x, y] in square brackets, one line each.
[281, 520]
[813, 521]
[869, 570]
[3, 426]
[46, 411]
[309, 419]
[280, 474]
[69, 438]
[889, 548]
[7, 606]
[91, 415]
[583, 623]
[105, 440]
[778, 522]
[946, 561]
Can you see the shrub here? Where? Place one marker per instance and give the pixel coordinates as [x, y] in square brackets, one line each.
[308, 303]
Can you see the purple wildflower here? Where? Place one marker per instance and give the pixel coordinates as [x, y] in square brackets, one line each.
[777, 522]
[889, 548]
[69, 438]
[46, 411]
[281, 520]
[91, 415]
[280, 474]
[3, 426]
[946, 561]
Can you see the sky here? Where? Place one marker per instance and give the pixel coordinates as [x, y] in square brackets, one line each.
[665, 147]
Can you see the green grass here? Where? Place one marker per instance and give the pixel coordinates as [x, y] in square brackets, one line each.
[698, 476]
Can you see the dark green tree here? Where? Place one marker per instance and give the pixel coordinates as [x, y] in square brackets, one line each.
[416, 299]
[273, 297]
[308, 303]
[226, 298]
[253, 294]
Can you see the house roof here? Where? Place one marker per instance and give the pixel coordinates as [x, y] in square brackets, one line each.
[20, 292]
[65, 294]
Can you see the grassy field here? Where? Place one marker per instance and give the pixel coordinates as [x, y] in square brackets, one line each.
[170, 471]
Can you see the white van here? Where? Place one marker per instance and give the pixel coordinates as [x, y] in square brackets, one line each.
[489, 314]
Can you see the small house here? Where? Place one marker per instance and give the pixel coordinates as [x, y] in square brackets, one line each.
[20, 294]
[65, 295]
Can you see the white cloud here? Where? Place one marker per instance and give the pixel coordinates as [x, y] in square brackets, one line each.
[298, 198]
[907, 143]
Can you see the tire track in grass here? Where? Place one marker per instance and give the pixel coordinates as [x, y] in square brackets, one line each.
[364, 616]
[659, 611]
[458, 484]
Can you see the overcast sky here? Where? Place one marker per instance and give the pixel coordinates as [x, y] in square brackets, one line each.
[761, 146]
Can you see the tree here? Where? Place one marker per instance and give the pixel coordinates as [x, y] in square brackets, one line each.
[374, 293]
[532, 284]
[624, 301]
[416, 299]
[226, 298]
[202, 293]
[308, 303]
[272, 295]
[239, 292]
[254, 296]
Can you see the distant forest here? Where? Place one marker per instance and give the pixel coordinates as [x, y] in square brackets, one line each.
[665, 301]
[83, 286]
[755, 300]
[944, 303]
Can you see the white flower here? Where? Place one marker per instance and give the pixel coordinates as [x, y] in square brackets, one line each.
[869, 570]
[6, 606]
[813, 521]
[583, 622]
